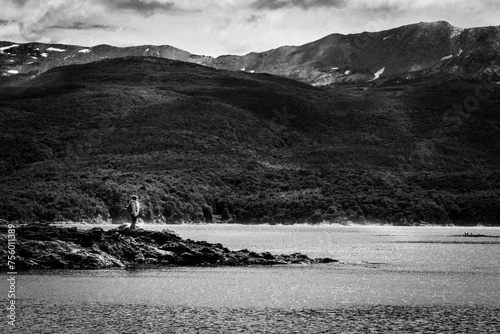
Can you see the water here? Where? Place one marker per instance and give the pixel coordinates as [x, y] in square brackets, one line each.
[391, 279]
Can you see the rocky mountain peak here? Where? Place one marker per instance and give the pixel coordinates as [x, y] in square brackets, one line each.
[417, 50]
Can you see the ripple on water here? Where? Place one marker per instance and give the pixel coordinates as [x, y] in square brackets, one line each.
[39, 317]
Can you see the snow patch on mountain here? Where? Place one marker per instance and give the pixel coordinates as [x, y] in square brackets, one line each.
[85, 50]
[447, 57]
[56, 49]
[390, 36]
[456, 31]
[3, 48]
[377, 74]
[44, 55]
[13, 71]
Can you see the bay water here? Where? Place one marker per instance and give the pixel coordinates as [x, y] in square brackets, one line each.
[389, 280]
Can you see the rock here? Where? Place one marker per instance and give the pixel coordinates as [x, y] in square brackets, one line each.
[177, 247]
[62, 255]
[325, 260]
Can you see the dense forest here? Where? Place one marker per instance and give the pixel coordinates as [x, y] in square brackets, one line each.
[203, 145]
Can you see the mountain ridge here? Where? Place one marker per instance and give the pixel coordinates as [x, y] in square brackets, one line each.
[408, 52]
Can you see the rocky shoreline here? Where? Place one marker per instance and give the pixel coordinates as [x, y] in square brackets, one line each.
[50, 247]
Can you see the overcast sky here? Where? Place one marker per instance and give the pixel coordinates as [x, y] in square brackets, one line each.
[224, 27]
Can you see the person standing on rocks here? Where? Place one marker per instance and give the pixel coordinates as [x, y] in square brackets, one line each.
[133, 208]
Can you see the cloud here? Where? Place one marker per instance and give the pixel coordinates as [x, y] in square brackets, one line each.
[143, 7]
[252, 18]
[303, 4]
[79, 26]
[375, 5]
[37, 16]
[54, 19]
[20, 2]
[396, 5]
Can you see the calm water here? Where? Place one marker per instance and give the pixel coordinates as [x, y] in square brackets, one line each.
[391, 279]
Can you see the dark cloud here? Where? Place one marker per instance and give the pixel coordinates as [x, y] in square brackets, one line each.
[79, 26]
[304, 4]
[3, 22]
[140, 6]
[20, 2]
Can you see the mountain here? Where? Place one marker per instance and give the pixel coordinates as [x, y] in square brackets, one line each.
[408, 52]
[22, 62]
[199, 144]
[417, 50]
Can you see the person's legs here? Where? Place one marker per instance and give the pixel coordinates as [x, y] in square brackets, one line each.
[134, 220]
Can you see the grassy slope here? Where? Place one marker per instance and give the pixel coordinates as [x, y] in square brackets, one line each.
[192, 141]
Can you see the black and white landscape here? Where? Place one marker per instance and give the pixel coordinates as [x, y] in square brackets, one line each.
[302, 166]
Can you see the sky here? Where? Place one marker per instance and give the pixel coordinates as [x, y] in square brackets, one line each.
[209, 27]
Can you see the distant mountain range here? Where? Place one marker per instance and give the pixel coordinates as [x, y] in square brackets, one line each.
[408, 52]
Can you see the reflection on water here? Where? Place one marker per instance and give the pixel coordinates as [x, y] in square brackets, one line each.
[426, 279]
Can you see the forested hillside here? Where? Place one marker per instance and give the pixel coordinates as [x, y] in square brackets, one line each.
[198, 144]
